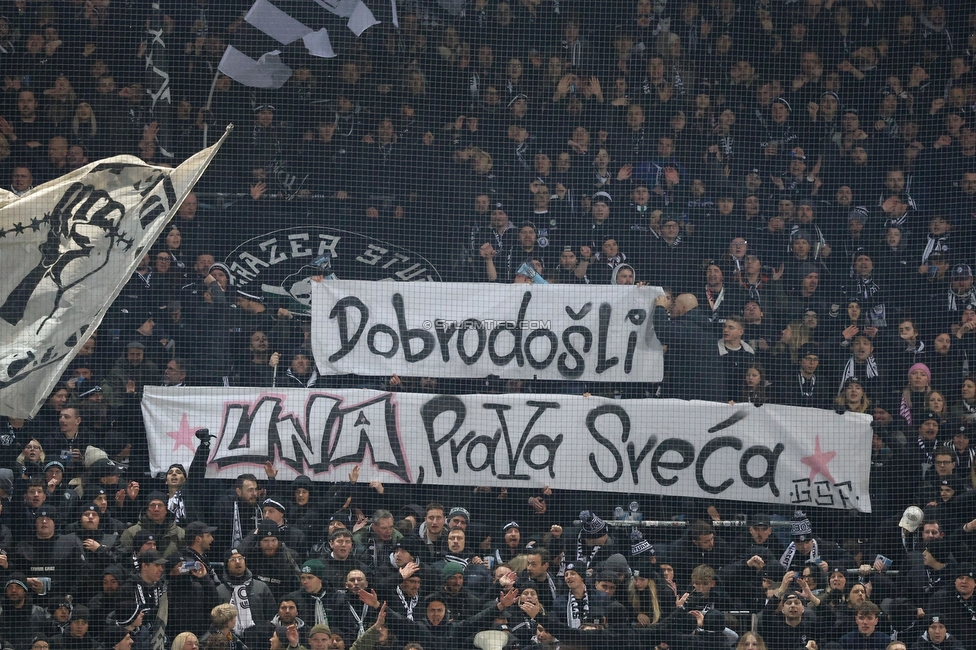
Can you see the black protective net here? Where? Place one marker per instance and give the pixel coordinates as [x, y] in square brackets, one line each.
[743, 235]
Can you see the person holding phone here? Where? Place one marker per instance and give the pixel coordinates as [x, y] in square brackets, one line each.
[192, 594]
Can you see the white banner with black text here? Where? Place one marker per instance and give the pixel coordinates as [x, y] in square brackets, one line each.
[568, 332]
[771, 454]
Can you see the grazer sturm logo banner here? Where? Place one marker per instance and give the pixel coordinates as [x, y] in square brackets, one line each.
[279, 264]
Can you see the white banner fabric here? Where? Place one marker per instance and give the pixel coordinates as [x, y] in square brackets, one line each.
[772, 454]
[67, 248]
[578, 332]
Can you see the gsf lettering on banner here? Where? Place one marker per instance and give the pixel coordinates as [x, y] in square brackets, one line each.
[463, 330]
[673, 447]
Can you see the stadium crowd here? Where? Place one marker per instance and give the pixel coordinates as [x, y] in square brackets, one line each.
[798, 176]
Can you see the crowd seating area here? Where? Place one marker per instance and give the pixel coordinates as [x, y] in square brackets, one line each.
[798, 176]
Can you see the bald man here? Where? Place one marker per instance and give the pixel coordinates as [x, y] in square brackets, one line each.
[692, 366]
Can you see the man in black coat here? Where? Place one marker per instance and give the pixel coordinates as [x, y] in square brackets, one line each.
[313, 598]
[786, 627]
[193, 591]
[692, 354]
[958, 606]
[16, 619]
[805, 384]
[58, 558]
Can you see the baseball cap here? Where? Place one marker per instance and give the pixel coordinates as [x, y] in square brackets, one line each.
[962, 271]
[151, 557]
[911, 519]
[104, 467]
[195, 528]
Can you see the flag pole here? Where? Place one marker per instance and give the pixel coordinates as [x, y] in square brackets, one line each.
[206, 125]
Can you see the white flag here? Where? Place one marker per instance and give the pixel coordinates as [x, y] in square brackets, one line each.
[66, 250]
[275, 23]
[266, 72]
[361, 19]
[318, 44]
[341, 8]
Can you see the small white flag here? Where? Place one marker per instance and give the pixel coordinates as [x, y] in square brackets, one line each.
[341, 8]
[317, 44]
[275, 23]
[278, 71]
[361, 19]
[266, 72]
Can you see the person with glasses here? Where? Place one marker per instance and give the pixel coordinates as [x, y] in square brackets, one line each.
[30, 463]
[944, 464]
[806, 384]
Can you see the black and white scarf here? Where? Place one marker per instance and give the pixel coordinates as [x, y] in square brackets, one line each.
[239, 599]
[463, 561]
[786, 560]
[577, 611]
[407, 605]
[582, 558]
[968, 604]
[177, 506]
[935, 245]
[927, 447]
[959, 302]
[806, 385]
[870, 371]
[237, 532]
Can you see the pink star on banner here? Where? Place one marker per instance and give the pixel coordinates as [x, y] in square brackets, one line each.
[183, 436]
[818, 461]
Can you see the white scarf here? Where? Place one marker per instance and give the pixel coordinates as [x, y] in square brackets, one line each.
[715, 303]
[321, 618]
[360, 617]
[237, 534]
